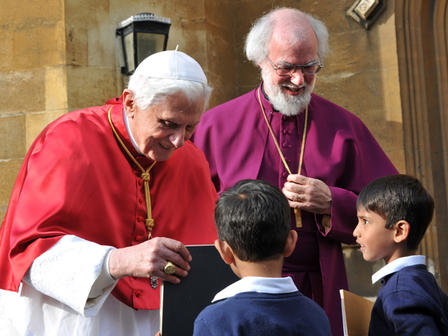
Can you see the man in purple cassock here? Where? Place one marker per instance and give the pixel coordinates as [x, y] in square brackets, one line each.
[319, 154]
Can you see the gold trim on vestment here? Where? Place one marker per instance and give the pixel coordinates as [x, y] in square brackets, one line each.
[149, 221]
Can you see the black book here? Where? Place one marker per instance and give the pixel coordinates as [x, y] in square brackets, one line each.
[181, 304]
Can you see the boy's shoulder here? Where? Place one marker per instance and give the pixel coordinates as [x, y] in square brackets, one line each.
[411, 287]
[240, 302]
[414, 278]
[412, 291]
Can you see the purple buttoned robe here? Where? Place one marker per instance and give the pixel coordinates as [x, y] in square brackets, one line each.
[339, 150]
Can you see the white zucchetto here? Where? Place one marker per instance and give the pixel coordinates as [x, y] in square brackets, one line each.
[172, 64]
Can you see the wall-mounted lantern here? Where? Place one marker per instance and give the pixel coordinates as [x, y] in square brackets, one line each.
[366, 12]
[140, 36]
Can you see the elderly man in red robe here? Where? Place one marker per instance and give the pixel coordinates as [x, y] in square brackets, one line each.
[103, 205]
[319, 154]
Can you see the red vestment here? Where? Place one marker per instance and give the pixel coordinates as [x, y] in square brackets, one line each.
[76, 179]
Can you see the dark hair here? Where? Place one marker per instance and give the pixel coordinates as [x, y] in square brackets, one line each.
[253, 217]
[400, 197]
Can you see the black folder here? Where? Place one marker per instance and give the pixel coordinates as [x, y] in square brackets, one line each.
[180, 304]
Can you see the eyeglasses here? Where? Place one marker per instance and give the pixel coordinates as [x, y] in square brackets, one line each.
[287, 69]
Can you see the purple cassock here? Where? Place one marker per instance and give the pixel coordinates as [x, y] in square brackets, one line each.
[339, 150]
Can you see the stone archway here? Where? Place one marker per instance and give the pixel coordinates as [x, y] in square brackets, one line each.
[422, 31]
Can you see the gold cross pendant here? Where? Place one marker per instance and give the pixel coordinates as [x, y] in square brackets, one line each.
[298, 218]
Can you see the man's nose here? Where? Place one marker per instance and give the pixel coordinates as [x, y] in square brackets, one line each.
[297, 77]
[178, 138]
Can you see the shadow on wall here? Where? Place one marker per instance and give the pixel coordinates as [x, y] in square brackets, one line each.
[359, 272]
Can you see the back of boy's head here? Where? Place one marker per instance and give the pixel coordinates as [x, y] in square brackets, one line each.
[400, 197]
[253, 217]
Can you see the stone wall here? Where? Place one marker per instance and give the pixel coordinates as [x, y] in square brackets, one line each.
[32, 79]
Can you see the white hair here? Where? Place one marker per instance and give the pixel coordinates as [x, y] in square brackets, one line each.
[149, 90]
[259, 37]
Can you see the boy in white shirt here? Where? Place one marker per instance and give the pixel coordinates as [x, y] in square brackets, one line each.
[253, 222]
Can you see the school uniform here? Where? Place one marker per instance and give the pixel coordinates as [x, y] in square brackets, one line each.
[410, 302]
[262, 306]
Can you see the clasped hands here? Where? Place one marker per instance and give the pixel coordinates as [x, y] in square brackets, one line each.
[308, 194]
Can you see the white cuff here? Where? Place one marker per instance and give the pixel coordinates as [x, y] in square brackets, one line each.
[75, 272]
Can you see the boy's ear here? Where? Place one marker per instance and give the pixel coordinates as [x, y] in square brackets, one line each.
[290, 243]
[401, 231]
[225, 251]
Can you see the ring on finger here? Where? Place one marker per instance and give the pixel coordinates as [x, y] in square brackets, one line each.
[169, 268]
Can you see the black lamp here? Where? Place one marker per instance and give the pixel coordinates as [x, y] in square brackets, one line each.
[138, 37]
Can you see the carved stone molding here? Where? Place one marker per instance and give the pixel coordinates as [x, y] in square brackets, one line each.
[422, 29]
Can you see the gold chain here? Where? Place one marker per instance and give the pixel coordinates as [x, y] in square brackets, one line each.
[149, 221]
[302, 150]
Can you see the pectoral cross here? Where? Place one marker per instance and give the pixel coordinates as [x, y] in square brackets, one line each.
[298, 215]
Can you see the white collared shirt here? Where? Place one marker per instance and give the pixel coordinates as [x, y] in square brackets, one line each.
[397, 265]
[259, 285]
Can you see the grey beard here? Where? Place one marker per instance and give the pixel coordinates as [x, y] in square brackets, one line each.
[285, 104]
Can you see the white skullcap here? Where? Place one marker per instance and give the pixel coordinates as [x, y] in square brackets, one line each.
[172, 64]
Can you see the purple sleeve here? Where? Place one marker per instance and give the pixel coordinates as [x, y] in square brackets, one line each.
[345, 155]
[203, 139]
[343, 220]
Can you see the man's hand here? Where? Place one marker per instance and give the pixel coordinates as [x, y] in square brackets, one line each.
[149, 258]
[308, 194]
